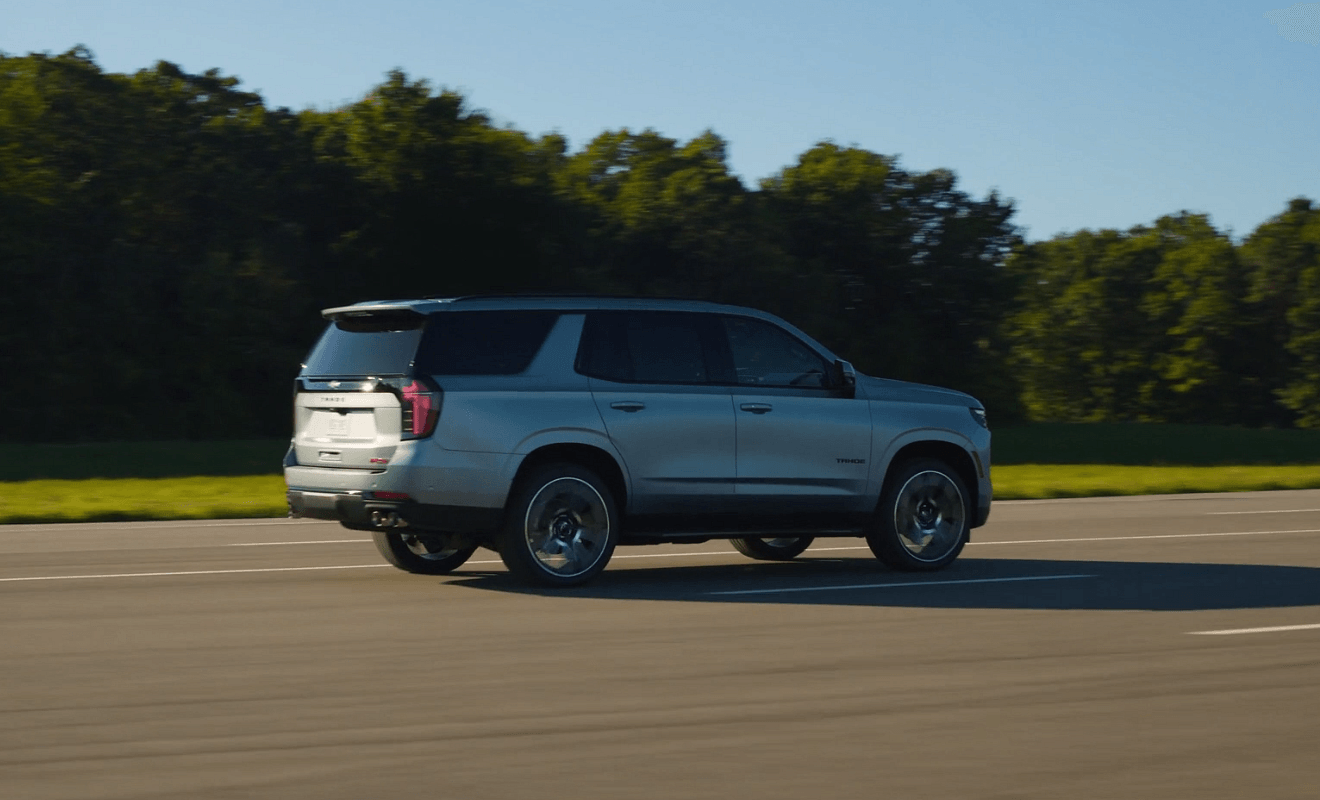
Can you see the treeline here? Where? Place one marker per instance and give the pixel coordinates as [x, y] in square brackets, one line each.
[166, 242]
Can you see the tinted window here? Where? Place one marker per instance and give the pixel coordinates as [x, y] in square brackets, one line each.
[483, 342]
[767, 355]
[370, 345]
[647, 347]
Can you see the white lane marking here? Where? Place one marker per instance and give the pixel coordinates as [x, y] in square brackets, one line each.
[642, 555]
[1268, 511]
[309, 569]
[833, 549]
[903, 585]
[189, 572]
[273, 544]
[1151, 536]
[1272, 629]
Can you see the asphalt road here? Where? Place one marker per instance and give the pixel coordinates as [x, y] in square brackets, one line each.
[1144, 647]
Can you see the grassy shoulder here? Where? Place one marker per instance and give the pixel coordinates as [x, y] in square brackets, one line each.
[1039, 481]
[105, 500]
[219, 497]
[237, 479]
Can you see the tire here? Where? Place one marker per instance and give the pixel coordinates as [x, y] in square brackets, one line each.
[772, 548]
[437, 554]
[921, 524]
[561, 526]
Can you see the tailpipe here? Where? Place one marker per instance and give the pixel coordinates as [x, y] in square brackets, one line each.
[387, 519]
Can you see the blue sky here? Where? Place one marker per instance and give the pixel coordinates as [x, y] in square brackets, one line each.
[1087, 115]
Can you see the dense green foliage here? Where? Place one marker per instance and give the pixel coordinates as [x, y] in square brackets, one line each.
[166, 241]
[1172, 323]
[1150, 444]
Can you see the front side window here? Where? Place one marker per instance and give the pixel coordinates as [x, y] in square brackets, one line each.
[766, 355]
[647, 347]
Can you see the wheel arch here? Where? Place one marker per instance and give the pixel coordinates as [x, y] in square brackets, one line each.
[952, 453]
[596, 459]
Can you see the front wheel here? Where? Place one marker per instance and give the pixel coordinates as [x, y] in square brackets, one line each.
[783, 548]
[433, 554]
[561, 526]
[922, 522]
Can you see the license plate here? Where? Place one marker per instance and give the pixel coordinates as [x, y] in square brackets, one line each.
[338, 426]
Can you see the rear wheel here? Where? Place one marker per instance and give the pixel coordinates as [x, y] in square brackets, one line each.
[766, 548]
[424, 554]
[922, 522]
[561, 527]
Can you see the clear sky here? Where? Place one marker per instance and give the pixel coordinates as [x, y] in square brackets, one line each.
[1086, 114]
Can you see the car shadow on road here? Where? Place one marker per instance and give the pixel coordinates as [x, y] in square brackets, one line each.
[990, 583]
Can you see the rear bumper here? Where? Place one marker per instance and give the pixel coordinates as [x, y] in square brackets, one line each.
[353, 510]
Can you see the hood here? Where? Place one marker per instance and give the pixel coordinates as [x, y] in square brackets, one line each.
[906, 392]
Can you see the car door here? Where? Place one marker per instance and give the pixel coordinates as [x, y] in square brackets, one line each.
[653, 377]
[802, 445]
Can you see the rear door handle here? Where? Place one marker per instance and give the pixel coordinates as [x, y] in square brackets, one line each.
[756, 408]
[628, 405]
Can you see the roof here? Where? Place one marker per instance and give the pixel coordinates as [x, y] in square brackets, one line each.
[558, 302]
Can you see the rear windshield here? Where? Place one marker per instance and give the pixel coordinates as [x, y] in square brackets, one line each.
[447, 343]
[375, 345]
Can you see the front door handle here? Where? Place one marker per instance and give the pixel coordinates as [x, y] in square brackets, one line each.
[628, 405]
[756, 408]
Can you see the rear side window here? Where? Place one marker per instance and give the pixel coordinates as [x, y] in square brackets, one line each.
[379, 344]
[483, 342]
[649, 347]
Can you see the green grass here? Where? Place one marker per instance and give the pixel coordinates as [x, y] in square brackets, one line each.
[101, 500]
[194, 480]
[1030, 481]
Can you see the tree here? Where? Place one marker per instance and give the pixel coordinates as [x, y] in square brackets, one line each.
[1196, 301]
[904, 270]
[1081, 344]
[445, 203]
[1283, 262]
[668, 219]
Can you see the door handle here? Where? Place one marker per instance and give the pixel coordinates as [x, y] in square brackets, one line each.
[756, 408]
[628, 405]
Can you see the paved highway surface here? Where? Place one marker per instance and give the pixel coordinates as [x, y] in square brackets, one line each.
[1116, 648]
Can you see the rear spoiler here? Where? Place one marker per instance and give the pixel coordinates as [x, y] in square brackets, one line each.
[368, 310]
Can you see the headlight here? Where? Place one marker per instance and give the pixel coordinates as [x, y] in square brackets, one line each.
[978, 414]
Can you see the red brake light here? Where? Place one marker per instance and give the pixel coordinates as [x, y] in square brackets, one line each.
[421, 410]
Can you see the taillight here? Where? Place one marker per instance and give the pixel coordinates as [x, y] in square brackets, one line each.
[421, 410]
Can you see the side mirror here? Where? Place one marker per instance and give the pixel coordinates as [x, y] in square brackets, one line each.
[844, 378]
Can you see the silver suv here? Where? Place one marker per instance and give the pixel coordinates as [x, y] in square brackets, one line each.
[553, 428]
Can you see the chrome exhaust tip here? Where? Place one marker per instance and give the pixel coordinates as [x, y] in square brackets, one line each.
[387, 519]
